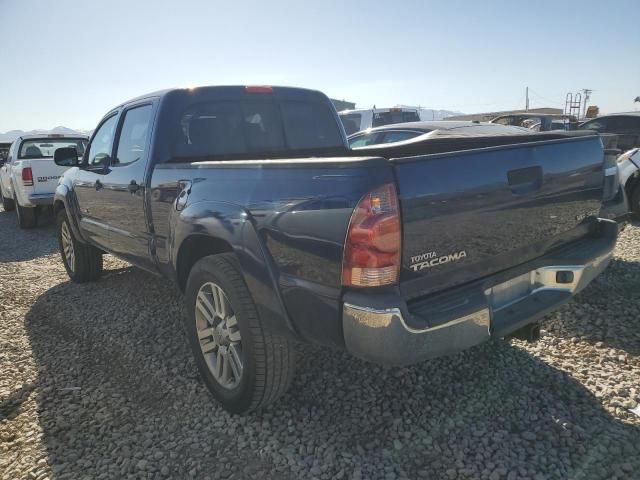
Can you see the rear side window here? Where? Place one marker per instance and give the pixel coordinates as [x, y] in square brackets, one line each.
[391, 117]
[390, 137]
[599, 124]
[227, 128]
[364, 140]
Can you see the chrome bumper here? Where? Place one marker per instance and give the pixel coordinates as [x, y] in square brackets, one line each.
[383, 335]
[40, 199]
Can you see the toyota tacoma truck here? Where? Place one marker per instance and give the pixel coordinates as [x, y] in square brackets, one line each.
[29, 176]
[250, 200]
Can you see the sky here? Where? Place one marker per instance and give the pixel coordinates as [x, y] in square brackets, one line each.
[67, 62]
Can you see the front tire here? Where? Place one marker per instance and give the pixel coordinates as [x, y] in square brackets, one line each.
[82, 262]
[242, 363]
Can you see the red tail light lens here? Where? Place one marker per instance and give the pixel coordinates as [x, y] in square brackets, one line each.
[373, 244]
[27, 177]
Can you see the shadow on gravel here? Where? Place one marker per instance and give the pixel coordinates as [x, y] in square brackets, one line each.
[595, 314]
[119, 396]
[17, 245]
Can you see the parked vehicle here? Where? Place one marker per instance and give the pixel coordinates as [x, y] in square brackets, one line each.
[4, 150]
[541, 122]
[625, 125]
[357, 120]
[427, 131]
[29, 176]
[629, 173]
[250, 200]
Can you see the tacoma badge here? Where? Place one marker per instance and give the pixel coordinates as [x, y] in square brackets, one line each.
[431, 259]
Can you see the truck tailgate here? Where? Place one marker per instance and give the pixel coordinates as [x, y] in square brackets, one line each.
[45, 174]
[472, 213]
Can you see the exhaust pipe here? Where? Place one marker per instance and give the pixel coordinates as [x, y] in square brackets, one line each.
[528, 333]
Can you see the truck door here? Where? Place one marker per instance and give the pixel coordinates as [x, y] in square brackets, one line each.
[123, 192]
[89, 182]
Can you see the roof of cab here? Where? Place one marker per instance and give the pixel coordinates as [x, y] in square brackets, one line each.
[212, 88]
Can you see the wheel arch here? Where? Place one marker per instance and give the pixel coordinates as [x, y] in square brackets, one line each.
[62, 201]
[209, 228]
[193, 248]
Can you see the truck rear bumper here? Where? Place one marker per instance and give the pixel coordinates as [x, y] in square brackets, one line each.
[385, 329]
[34, 200]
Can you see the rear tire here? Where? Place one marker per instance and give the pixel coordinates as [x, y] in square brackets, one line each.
[8, 204]
[82, 262]
[27, 217]
[266, 360]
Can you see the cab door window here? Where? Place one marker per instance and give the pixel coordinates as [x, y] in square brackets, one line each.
[102, 144]
[133, 136]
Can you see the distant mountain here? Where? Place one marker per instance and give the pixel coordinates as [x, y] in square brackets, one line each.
[11, 135]
[432, 114]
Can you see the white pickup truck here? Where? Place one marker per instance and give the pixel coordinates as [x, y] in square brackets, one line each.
[29, 176]
[357, 120]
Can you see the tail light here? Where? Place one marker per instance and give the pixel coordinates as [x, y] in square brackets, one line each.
[373, 244]
[27, 177]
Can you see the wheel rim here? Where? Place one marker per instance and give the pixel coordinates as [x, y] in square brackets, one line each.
[219, 335]
[67, 246]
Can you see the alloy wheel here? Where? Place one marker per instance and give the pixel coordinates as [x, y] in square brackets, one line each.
[219, 335]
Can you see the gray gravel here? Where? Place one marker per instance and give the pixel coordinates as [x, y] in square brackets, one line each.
[97, 382]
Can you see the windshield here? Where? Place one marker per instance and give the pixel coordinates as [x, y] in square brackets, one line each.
[45, 147]
[392, 116]
[230, 127]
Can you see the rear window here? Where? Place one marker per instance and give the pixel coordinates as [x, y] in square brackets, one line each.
[391, 117]
[230, 127]
[45, 147]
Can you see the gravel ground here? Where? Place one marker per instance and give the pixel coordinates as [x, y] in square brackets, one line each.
[96, 382]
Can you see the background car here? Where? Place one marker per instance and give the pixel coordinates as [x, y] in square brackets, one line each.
[4, 150]
[357, 120]
[29, 176]
[629, 174]
[540, 122]
[406, 131]
[625, 125]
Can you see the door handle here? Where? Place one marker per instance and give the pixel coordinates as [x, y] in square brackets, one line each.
[133, 187]
[98, 185]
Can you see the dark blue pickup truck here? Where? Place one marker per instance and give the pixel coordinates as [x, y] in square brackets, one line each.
[276, 232]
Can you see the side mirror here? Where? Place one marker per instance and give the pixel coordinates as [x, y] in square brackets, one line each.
[66, 157]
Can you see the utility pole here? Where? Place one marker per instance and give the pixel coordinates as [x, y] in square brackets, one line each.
[587, 93]
[526, 104]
